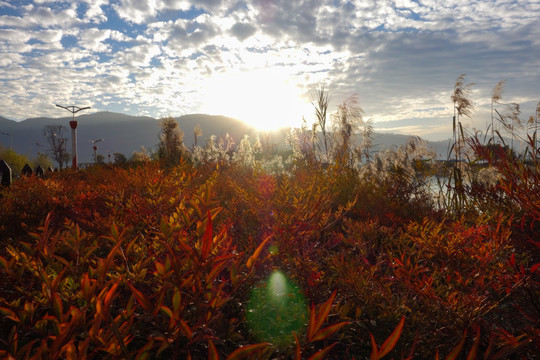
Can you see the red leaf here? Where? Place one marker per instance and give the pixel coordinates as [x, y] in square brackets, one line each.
[389, 343]
[297, 352]
[215, 272]
[322, 353]
[57, 306]
[176, 300]
[328, 331]
[257, 253]
[186, 329]
[212, 351]
[245, 351]
[143, 300]
[474, 349]
[207, 237]
[374, 348]
[10, 314]
[324, 310]
[167, 310]
[110, 295]
[453, 355]
[511, 349]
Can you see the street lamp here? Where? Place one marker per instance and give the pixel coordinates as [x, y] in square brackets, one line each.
[73, 124]
[95, 141]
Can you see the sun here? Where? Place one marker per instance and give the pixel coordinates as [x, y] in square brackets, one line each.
[266, 99]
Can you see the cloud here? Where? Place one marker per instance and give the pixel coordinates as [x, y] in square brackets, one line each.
[136, 11]
[95, 12]
[401, 57]
[242, 31]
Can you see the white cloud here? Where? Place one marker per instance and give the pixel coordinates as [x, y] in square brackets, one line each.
[401, 57]
[136, 11]
[7, 5]
[95, 11]
[173, 5]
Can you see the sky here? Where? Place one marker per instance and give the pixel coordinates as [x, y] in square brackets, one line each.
[262, 60]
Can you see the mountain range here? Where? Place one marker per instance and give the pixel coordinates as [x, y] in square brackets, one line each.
[126, 134]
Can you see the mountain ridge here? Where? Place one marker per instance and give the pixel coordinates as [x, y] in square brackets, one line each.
[126, 134]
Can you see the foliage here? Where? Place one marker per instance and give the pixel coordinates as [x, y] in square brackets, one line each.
[171, 146]
[218, 257]
[43, 161]
[15, 161]
[54, 134]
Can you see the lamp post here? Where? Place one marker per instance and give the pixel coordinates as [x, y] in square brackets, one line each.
[73, 124]
[95, 141]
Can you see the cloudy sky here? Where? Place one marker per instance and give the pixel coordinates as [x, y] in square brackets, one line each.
[261, 60]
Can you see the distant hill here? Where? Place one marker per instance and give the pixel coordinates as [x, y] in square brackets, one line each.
[126, 134]
[121, 133]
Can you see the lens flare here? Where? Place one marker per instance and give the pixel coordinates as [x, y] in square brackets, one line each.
[276, 310]
[277, 284]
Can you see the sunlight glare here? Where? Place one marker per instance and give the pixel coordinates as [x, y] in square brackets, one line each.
[265, 99]
[276, 310]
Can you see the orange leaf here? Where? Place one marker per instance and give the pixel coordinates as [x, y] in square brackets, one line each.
[186, 329]
[176, 300]
[9, 314]
[71, 351]
[374, 348]
[57, 306]
[257, 253]
[57, 279]
[214, 272]
[298, 352]
[85, 285]
[511, 349]
[322, 353]
[207, 237]
[110, 295]
[324, 310]
[474, 349]
[143, 300]
[112, 253]
[311, 331]
[160, 268]
[453, 355]
[328, 331]
[167, 310]
[212, 351]
[389, 343]
[245, 351]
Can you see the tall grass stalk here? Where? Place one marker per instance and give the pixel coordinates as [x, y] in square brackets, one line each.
[463, 106]
[496, 96]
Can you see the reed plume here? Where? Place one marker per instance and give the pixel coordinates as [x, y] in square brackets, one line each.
[496, 97]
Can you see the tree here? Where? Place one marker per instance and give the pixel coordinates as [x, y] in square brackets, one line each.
[14, 160]
[140, 156]
[171, 146]
[57, 144]
[43, 161]
[119, 158]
